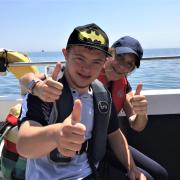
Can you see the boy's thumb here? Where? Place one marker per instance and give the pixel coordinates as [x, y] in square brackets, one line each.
[56, 71]
[76, 113]
[138, 89]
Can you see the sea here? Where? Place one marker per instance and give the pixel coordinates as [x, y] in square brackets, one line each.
[153, 74]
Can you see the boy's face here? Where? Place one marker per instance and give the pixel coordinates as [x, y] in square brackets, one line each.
[83, 65]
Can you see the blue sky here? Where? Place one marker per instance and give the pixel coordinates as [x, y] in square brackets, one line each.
[33, 25]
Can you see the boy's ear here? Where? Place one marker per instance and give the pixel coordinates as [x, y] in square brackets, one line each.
[64, 51]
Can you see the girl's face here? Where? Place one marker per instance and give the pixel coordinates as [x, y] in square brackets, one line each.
[120, 65]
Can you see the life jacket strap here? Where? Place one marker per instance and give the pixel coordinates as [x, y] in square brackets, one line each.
[93, 167]
[84, 148]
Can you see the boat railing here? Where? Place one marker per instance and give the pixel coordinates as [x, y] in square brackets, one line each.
[18, 64]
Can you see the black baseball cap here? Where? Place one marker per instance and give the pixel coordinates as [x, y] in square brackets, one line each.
[128, 44]
[90, 35]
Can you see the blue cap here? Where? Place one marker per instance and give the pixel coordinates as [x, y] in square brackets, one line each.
[128, 44]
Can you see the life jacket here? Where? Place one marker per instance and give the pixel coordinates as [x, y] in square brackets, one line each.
[102, 109]
[117, 89]
[12, 164]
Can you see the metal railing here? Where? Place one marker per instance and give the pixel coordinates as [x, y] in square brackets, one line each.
[18, 64]
[162, 58]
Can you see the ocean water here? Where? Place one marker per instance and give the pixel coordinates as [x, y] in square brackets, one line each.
[160, 74]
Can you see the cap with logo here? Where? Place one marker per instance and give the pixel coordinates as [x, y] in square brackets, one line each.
[128, 44]
[90, 35]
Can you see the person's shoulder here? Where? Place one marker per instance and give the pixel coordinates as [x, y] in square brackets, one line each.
[98, 85]
[32, 100]
[35, 109]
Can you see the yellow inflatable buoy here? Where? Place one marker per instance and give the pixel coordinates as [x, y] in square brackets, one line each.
[10, 56]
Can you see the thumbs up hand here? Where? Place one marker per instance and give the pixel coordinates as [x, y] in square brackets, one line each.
[50, 89]
[56, 71]
[138, 89]
[139, 102]
[72, 132]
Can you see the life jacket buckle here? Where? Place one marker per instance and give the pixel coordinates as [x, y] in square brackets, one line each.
[87, 145]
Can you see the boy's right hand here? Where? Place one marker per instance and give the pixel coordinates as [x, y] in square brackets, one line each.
[50, 89]
[72, 133]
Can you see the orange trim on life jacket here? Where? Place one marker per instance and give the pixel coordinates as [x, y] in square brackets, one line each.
[118, 90]
[118, 93]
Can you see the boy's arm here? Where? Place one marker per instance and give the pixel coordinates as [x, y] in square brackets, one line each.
[120, 147]
[27, 78]
[36, 138]
[135, 108]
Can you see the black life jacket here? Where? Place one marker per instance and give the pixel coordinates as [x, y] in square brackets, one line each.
[102, 109]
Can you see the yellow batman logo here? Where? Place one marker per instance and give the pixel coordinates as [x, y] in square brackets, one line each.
[92, 36]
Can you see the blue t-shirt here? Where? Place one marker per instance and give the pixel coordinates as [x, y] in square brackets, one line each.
[78, 168]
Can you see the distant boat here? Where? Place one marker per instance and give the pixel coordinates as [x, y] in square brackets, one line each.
[42, 51]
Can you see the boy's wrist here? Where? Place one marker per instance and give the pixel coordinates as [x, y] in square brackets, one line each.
[31, 85]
